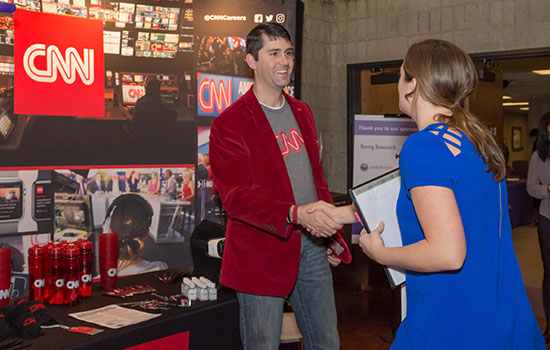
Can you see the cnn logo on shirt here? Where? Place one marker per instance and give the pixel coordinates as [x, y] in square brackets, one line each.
[58, 71]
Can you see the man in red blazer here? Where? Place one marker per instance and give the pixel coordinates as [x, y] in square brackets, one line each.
[264, 155]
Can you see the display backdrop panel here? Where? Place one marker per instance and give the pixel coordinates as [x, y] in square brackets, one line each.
[179, 43]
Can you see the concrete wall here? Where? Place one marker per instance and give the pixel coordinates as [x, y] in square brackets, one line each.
[341, 32]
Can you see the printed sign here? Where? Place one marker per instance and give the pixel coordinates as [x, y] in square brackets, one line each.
[58, 71]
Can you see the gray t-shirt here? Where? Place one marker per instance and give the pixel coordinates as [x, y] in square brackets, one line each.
[294, 152]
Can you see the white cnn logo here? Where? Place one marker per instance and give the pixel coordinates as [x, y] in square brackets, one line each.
[68, 66]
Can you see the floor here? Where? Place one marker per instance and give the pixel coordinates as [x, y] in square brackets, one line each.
[361, 330]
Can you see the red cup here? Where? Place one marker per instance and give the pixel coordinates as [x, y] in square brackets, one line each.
[108, 259]
[5, 276]
[5, 260]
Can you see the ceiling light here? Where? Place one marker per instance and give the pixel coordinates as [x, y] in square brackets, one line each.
[506, 97]
[542, 72]
[506, 104]
[524, 108]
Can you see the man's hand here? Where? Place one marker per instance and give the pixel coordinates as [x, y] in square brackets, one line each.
[342, 215]
[317, 222]
[333, 260]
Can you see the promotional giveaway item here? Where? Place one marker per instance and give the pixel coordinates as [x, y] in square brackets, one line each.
[86, 264]
[5, 276]
[108, 259]
[56, 283]
[71, 270]
[37, 281]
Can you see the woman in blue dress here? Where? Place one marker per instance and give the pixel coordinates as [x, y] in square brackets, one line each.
[464, 285]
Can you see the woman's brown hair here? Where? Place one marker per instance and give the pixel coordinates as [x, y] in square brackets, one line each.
[445, 76]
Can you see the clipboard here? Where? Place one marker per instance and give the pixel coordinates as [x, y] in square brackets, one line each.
[375, 201]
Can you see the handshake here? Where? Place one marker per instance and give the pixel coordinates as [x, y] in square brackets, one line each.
[322, 219]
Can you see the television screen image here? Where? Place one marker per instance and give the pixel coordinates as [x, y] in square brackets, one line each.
[157, 45]
[6, 22]
[125, 13]
[157, 17]
[11, 207]
[131, 93]
[30, 5]
[221, 55]
[128, 43]
[133, 87]
[73, 211]
[70, 8]
[186, 43]
[6, 126]
[188, 15]
[111, 42]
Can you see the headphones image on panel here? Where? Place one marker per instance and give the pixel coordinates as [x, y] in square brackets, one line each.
[124, 200]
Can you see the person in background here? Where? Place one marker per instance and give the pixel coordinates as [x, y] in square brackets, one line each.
[206, 162]
[97, 185]
[151, 111]
[464, 285]
[142, 184]
[131, 221]
[154, 184]
[116, 184]
[81, 181]
[202, 172]
[533, 136]
[188, 188]
[538, 186]
[171, 186]
[133, 182]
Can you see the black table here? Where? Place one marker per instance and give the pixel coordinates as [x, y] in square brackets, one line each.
[211, 324]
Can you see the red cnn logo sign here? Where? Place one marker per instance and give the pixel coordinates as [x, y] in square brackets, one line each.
[59, 65]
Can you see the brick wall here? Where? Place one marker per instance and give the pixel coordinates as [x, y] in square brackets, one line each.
[340, 32]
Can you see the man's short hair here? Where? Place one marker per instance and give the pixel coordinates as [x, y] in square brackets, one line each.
[152, 85]
[254, 39]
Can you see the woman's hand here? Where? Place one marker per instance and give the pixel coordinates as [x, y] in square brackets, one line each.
[371, 243]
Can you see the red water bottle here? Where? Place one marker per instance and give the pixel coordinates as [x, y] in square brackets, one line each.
[37, 280]
[86, 264]
[45, 250]
[71, 274]
[5, 276]
[56, 283]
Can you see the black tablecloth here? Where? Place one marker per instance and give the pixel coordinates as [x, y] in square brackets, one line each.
[211, 324]
[522, 211]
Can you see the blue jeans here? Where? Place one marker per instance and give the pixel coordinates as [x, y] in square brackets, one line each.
[312, 300]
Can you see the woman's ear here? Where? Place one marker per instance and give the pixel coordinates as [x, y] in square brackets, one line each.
[412, 86]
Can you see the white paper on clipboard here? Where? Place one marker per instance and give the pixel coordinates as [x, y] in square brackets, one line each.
[375, 201]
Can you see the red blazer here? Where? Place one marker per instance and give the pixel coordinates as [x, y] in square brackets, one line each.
[262, 251]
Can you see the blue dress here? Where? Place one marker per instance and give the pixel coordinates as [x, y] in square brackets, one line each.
[483, 305]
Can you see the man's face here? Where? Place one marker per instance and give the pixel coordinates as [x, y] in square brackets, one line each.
[98, 177]
[166, 175]
[274, 65]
